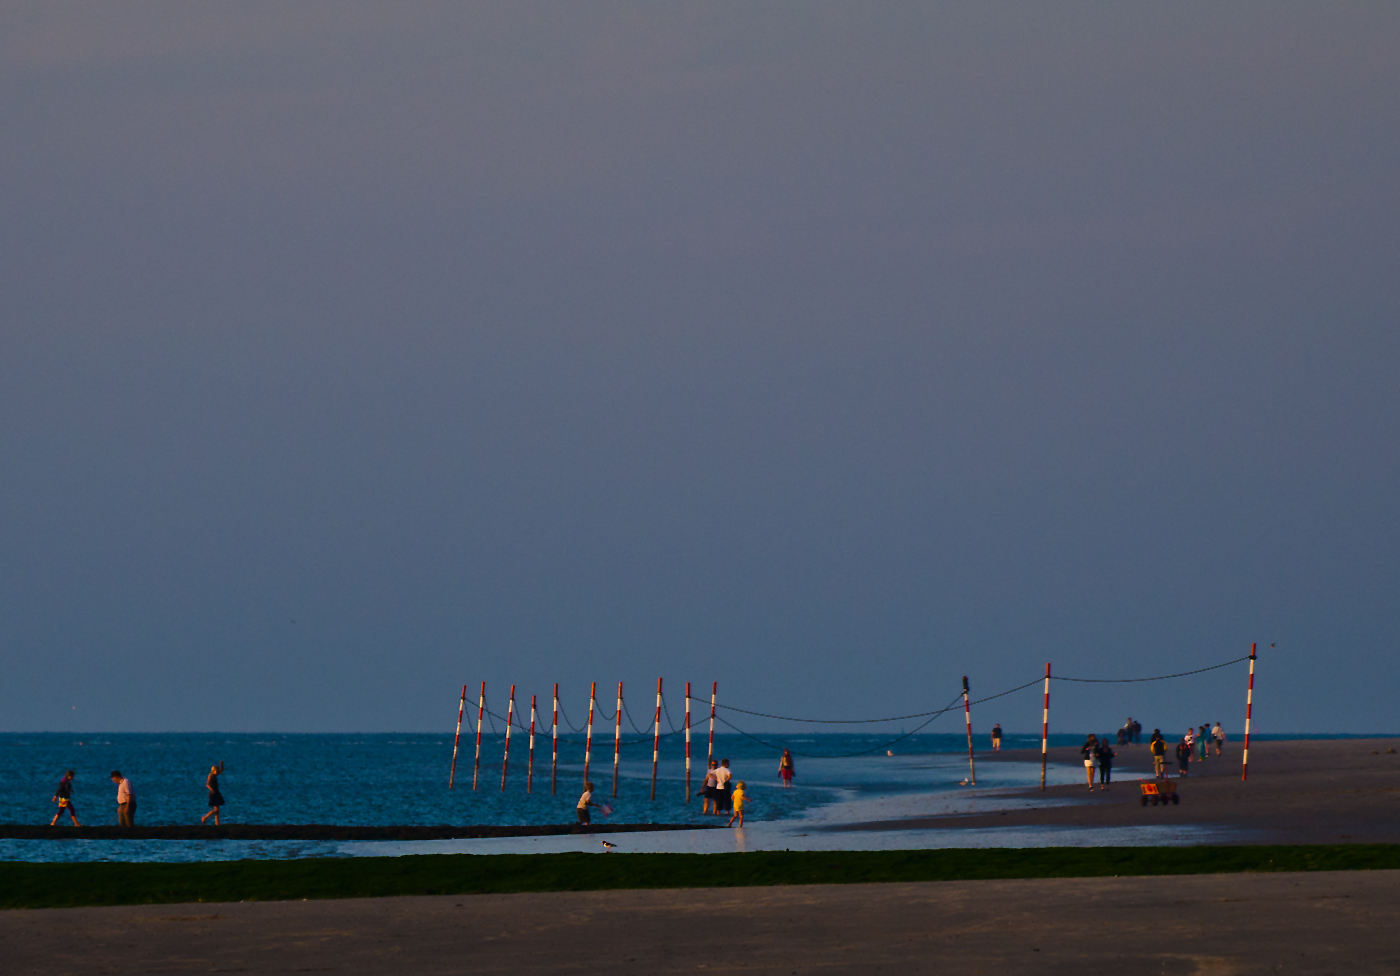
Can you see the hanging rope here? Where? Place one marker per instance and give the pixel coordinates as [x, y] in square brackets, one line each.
[820, 721]
[849, 755]
[628, 712]
[1160, 677]
[569, 725]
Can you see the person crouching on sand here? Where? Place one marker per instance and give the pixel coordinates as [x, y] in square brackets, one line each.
[739, 801]
[63, 796]
[216, 799]
[584, 802]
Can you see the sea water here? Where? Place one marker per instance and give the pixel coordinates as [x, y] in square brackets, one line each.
[399, 779]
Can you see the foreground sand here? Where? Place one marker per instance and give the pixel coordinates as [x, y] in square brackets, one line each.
[1210, 924]
[1302, 792]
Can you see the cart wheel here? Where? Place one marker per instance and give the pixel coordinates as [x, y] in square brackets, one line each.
[1176, 799]
[1144, 801]
[1154, 801]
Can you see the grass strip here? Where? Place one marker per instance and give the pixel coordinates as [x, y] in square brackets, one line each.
[67, 885]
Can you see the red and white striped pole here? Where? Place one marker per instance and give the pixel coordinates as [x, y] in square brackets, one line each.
[554, 734]
[461, 707]
[687, 742]
[617, 737]
[510, 719]
[1045, 728]
[1248, 712]
[480, 712]
[530, 767]
[656, 739]
[588, 735]
[714, 691]
[967, 713]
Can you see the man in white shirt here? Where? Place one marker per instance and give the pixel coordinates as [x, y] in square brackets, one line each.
[722, 794]
[126, 799]
[1218, 734]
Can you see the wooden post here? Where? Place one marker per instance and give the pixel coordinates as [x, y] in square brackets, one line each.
[588, 734]
[510, 718]
[461, 707]
[687, 742]
[714, 691]
[656, 739]
[480, 712]
[617, 737]
[554, 735]
[1248, 712]
[1045, 729]
[967, 712]
[530, 767]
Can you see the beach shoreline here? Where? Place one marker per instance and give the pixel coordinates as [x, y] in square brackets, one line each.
[1301, 791]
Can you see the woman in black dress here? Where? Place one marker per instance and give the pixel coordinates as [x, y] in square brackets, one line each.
[216, 799]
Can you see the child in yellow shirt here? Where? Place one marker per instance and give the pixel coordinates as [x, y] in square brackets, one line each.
[739, 801]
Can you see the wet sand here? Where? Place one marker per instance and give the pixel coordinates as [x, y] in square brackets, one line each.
[1300, 792]
[1208, 924]
[319, 831]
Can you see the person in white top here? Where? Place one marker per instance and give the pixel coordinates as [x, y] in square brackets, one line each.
[1218, 734]
[723, 803]
[126, 800]
[584, 802]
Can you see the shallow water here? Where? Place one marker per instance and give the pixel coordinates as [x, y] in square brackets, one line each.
[402, 779]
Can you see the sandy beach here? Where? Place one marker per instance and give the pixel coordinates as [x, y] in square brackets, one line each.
[1207, 924]
[1298, 792]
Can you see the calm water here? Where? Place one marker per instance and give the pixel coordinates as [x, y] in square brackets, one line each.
[402, 779]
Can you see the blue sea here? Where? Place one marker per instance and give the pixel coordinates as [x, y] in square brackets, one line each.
[395, 779]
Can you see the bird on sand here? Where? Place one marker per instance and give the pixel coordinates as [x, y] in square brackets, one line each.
[607, 848]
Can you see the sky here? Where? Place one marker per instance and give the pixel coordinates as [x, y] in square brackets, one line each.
[353, 352]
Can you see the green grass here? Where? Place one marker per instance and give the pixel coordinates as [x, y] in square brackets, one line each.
[25, 885]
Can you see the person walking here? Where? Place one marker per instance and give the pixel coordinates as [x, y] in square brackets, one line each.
[724, 802]
[1106, 755]
[1218, 734]
[584, 802]
[1203, 740]
[126, 799]
[1158, 747]
[740, 801]
[996, 737]
[216, 799]
[785, 773]
[63, 796]
[1183, 756]
[1090, 751]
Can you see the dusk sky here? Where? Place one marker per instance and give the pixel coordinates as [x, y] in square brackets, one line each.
[351, 352]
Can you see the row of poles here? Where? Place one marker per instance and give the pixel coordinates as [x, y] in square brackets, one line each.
[714, 692]
[587, 742]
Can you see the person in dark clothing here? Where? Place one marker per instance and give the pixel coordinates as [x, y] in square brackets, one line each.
[216, 799]
[1183, 757]
[63, 796]
[1137, 731]
[1106, 755]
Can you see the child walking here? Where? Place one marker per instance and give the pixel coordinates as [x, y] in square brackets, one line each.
[739, 801]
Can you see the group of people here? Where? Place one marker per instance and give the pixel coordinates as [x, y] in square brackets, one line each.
[721, 793]
[1194, 739]
[1098, 758]
[126, 798]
